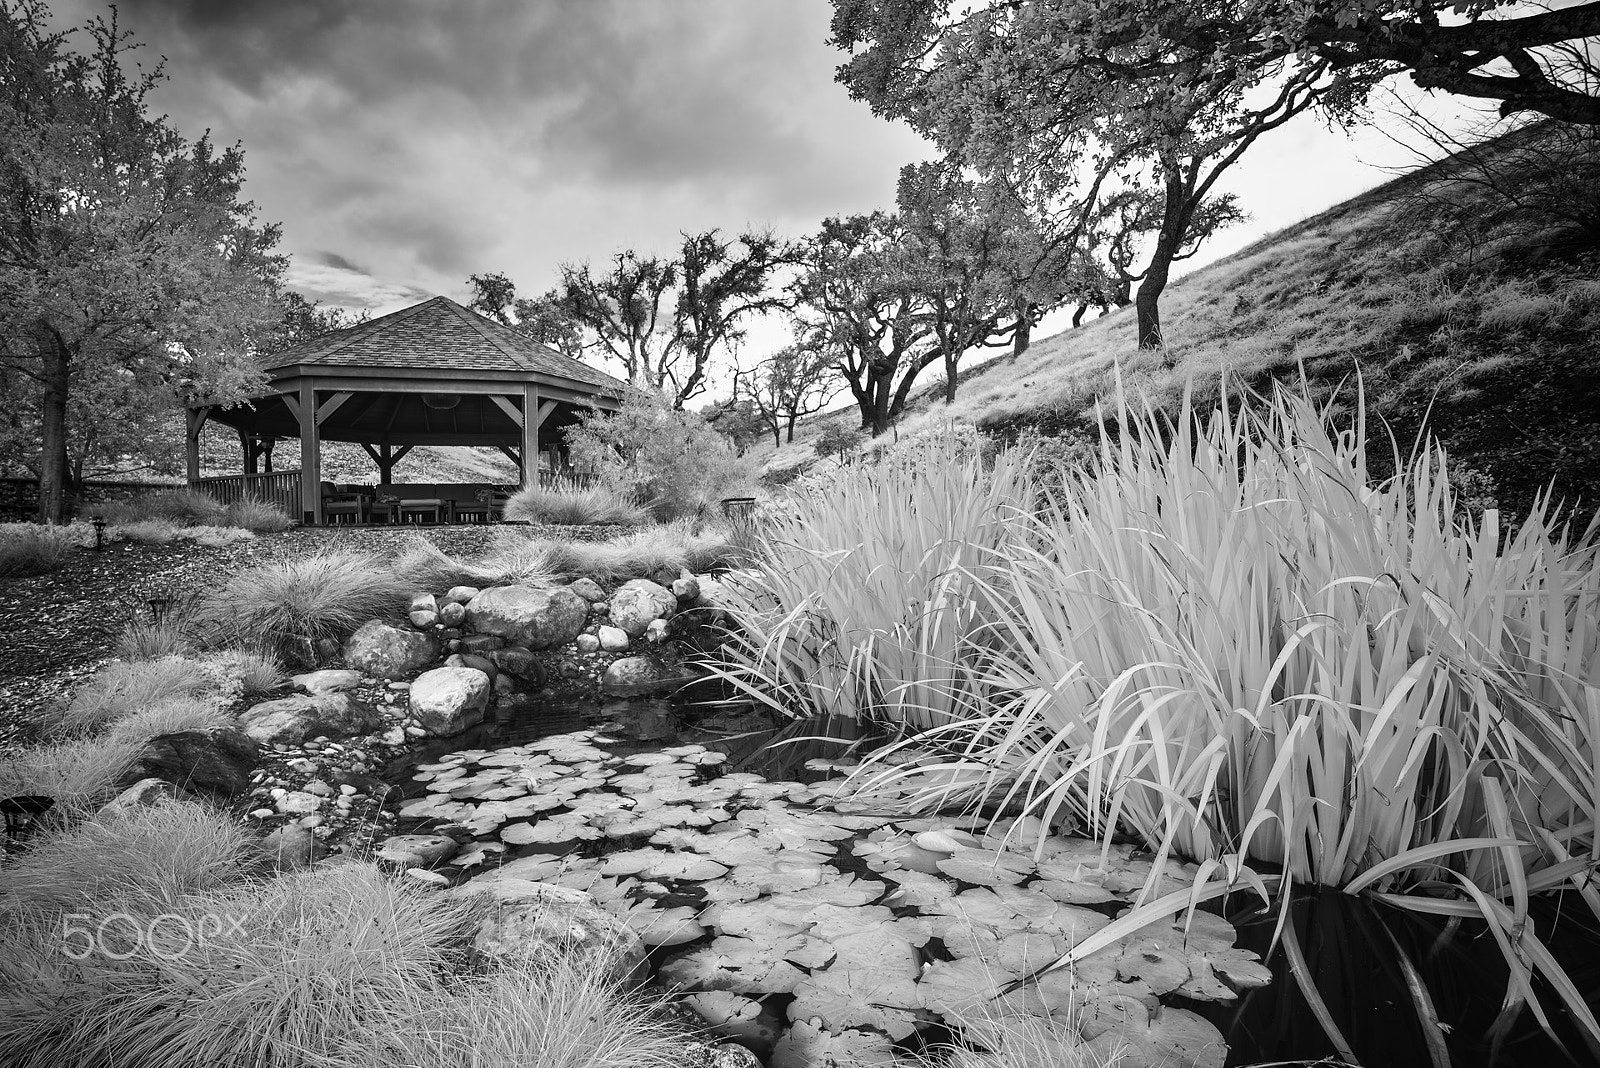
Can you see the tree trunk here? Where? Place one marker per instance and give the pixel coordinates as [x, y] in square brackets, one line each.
[794, 417]
[1174, 221]
[1022, 336]
[1077, 316]
[950, 362]
[53, 430]
[880, 406]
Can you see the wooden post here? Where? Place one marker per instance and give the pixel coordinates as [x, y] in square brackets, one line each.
[530, 435]
[310, 455]
[251, 448]
[266, 454]
[194, 422]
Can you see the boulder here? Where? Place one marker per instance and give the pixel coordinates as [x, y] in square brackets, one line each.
[294, 719]
[461, 594]
[630, 676]
[449, 700]
[483, 664]
[291, 847]
[328, 680]
[143, 794]
[588, 643]
[389, 652]
[417, 850]
[424, 602]
[657, 631]
[686, 589]
[481, 643]
[539, 619]
[540, 921]
[452, 614]
[639, 601]
[588, 589]
[515, 660]
[612, 639]
[216, 763]
[695, 1053]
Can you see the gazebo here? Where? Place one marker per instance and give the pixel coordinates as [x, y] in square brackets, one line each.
[435, 373]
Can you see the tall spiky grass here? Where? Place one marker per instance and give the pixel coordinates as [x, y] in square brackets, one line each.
[261, 516]
[27, 549]
[81, 774]
[1231, 646]
[290, 605]
[865, 599]
[120, 689]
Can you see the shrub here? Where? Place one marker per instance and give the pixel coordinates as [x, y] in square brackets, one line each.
[34, 550]
[838, 441]
[289, 606]
[590, 506]
[256, 670]
[145, 859]
[263, 517]
[120, 689]
[670, 548]
[147, 531]
[81, 775]
[671, 460]
[179, 506]
[139, 640]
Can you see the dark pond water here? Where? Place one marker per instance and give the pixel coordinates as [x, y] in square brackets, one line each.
[1349, 953]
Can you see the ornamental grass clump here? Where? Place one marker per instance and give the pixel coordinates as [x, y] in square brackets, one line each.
[289, 606]
[1233, 647]
[28, 549]
[575, 506]
[263, 517]
[865, 599]
[120, 689]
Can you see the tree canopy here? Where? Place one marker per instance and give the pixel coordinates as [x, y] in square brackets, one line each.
[133, 278]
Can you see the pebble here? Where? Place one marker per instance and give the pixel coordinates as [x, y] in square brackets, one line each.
[415, 732]
[431, 878]
[347, 789]
[313, 820]
[262, 813]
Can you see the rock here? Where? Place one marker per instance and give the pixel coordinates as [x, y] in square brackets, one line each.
[313, 821]
[520, 662]
[461, 594]
[612, 639]
[216, 763]
[637, 602]
[328, 680]
[424, 620]
[389, 652]
[664, 577]
[449, 700]
[633, 675]
[426, 877]
[424, 602]
[503, 684]
[483, 664]
[538, 921]
[686, 589]
[588, 643]
[694, 1053]
[298, 801]
[452, 614]
[394, 736]
[536, 618]
[291, 847]
[417, 850]
[319, 788]
[657, 631]
[588, 589]
[143, 794]
[601, 607]
[301, 716]
[482, 644]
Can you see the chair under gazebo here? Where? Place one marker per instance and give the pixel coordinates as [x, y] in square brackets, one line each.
[435, 373]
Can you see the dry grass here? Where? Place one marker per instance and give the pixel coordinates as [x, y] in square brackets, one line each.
[170, 716]
[260, 516]
[81, 775]
[179, 506]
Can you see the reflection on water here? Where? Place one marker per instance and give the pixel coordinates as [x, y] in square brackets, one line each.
[1351, 947]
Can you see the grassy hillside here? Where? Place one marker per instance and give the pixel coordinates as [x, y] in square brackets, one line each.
[1436, 287]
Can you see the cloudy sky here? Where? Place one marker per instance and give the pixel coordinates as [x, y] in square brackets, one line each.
[405, 144]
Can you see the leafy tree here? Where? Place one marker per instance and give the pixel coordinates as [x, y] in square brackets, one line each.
[543, 318]
[301, 320]
[132, 277]
[861, 307]
[986, 270]
[795, 381]
[736, 419]
[838, 442]
[1126, 92]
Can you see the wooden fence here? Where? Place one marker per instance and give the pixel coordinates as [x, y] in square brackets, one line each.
[277, 487]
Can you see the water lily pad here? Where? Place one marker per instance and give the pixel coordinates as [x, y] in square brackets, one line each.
[889, 854]
[1073, 892]
[918, 890]
[707, 759]
[645, 760]
[732, 1015]
[945, 840]
[660, 864]
[768, 920]
[1168, 1037]
[436, 806]
[730, 963]
[664, 927]
[806, 1045]
[477, 853]
[983, 867]
[549, 831]
[879, 994]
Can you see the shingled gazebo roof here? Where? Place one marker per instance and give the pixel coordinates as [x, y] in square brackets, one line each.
[437, 334]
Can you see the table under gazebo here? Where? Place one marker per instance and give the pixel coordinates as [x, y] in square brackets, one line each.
[435, 373]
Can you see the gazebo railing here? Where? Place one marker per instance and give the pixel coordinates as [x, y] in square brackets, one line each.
[278, 487]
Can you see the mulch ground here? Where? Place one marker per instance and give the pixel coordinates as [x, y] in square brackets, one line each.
[58, 628]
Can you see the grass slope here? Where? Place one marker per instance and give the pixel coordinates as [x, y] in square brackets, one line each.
[1436, 290]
